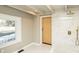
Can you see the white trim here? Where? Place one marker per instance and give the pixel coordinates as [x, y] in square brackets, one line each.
[46, 16]
[41, 28]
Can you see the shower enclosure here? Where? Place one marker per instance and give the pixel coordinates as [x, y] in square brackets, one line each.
[66, 34]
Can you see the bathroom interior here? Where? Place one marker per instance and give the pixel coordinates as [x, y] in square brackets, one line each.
[28, 33]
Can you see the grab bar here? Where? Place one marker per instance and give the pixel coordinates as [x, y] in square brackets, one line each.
[77, 40]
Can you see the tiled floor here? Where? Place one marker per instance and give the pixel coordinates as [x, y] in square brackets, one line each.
[34, 48]
[60, 48]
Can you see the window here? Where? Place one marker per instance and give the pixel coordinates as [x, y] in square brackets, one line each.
[10, 26]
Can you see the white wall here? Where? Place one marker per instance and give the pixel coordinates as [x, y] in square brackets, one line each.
[36, 32]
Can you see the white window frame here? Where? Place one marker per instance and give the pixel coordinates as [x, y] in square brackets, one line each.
[18, 25]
